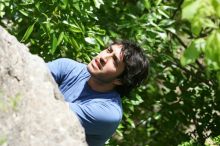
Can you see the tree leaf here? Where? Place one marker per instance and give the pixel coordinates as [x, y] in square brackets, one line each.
[73, 27]
[196, 26]
[147, 4]
[64, 3]
[212, 50]
[190, 10]
[74, 43]
[54, 44]
[100, 41]
[216, 5]
[192, 52]
[90, 40]
[24, 13]
[28, 32]
[163, 13]
[60, 38]
[98, 3]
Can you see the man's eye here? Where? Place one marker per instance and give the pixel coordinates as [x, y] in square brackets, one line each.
[109, 50]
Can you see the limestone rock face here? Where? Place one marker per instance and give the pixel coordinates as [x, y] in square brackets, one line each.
[32, 110]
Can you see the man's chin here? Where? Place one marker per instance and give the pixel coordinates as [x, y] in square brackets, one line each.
[92, 70]
[89, 67]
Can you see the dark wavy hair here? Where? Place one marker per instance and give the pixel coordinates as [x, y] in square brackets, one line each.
[136, 67]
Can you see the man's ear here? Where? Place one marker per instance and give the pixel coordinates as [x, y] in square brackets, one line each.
[117, 82]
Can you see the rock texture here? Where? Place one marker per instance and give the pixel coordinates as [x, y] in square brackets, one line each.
[32, 112]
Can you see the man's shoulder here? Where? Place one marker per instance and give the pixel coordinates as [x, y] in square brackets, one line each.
[70, 61]
[99, 114]
[107, 109]
[104, 107]
[72, 66]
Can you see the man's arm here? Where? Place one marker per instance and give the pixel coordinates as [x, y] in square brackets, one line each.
[59, 68]
[99, 119]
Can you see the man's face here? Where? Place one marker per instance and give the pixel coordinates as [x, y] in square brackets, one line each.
[108, 64]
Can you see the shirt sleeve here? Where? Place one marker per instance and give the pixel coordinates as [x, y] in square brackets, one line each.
[99, 119]
[59, 69]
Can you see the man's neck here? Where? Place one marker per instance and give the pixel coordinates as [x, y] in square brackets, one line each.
[99, 86]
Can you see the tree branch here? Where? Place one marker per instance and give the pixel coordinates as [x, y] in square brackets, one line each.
[177, 9]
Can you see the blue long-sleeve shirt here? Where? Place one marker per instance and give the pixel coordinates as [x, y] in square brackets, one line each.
[98, 112]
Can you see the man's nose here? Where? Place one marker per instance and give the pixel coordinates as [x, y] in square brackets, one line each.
[104, 59]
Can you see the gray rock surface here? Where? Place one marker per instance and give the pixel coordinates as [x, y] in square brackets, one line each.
[32, 110]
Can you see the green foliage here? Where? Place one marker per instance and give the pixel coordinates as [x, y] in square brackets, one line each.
[190, 143]
[209, 142]
[179, 103]
[203, 16]
[216, 140]
[193, 51]
[56, 28]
